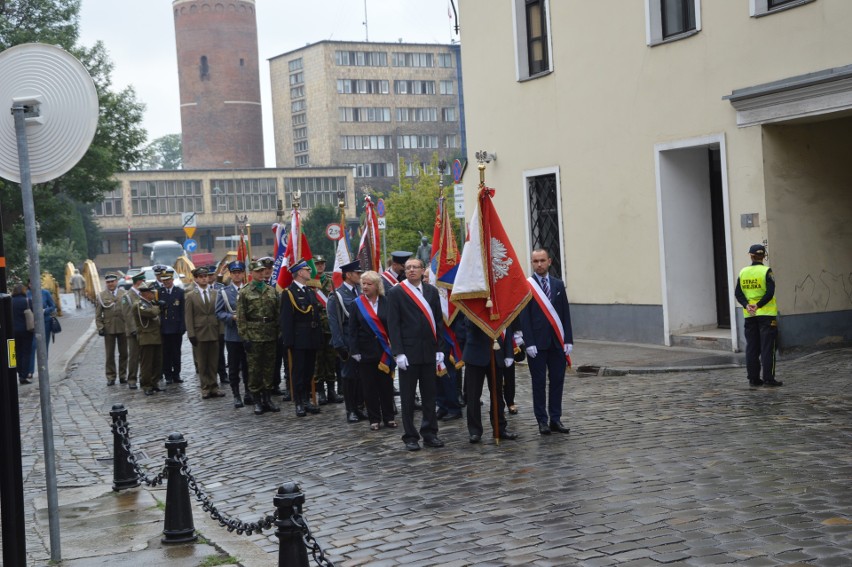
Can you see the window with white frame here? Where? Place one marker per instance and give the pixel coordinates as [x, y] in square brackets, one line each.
[447, 87]
[449, 114]
[364, 114]
[415, 141]
[668, 20]
[417, 114]
[365, 142]
[532, 30]
[298, 106]
[445, 60]
[451, 141]
[759, 8]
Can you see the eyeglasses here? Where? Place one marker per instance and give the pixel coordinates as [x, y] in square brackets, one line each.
[409, 268]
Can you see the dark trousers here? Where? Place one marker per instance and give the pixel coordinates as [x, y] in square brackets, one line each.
[550, 365]
[353, 392]
[474, 379]
[304, 362]
[23, 348]
[509, 385]
[446, 389]
[222, 367]
[171, 356]
[424, 375]
[761, 334]
[378, 391]
[237, 364]
[280, 360]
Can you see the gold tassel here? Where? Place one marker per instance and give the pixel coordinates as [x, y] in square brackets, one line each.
[384, 368]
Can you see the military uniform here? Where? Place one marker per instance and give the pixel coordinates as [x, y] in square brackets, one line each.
[226, 312]
[257, 325]
[110, 323]
[302, 334]
[128, 305]
[326, 368]
[147, 320]
[202, 328]
[172, 328]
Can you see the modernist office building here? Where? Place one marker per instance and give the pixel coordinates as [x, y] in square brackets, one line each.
[366, 106]
[648, 146]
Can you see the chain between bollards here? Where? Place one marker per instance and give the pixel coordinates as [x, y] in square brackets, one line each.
[125, 476]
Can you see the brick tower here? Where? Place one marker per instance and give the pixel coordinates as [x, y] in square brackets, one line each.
[219, 77]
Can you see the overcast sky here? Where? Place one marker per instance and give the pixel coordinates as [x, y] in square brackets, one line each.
[140, 38]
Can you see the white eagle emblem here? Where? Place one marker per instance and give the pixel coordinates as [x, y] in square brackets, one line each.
[500, 262]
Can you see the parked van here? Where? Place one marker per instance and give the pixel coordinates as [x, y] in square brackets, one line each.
[163, 252]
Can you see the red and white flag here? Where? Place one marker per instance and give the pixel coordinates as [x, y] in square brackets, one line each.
[369, 251]
[490, 286]
[341, 254]
[297, 249]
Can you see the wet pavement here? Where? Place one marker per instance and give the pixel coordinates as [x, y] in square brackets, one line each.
[676, 467]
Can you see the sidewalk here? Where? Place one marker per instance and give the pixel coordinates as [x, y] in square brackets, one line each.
[624, 481]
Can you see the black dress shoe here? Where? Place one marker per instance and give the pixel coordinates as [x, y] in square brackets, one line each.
[543, 429]
[285, 396]
[335, 398]
[224, 381]
[311, 408]
[133, 387]
[433, 442]
[238, 402]
[412, 446]
[300, 410]
[322, 399]
[558, 427]
[462, 402]
[157, 389]
[149, 392]
[122, 380]
[248, 399]
[452, 416]
[361, 414]
[475, 438]
[441, 414]
[509, 435]
[178, 380]
[352, 417]
[773, 383]
[258, 408]
[755, 383]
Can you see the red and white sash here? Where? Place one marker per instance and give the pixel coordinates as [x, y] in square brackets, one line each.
[390, 277]
[421, 302]
[547, 309]
[322, 298]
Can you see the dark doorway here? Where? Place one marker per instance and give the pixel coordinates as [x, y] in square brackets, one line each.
[722, 278]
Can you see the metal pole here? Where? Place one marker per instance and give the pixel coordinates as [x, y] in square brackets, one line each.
[38, 308]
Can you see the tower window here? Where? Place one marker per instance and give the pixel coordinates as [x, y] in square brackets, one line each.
[204, 69]
[242, 62]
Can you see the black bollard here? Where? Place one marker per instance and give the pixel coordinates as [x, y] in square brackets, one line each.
[179, 527]
[123, 475]
[291, 547]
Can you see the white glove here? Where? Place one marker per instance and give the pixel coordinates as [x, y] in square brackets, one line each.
[532, 351]
[519, 338]
[356, 357]
[568, 348]
[508, 362]
[439, 357]
[402, 362]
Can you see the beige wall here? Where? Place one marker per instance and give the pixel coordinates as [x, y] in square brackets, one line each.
[609, 100]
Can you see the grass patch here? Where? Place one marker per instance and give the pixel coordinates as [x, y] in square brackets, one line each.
[202, 539]
[213, 560]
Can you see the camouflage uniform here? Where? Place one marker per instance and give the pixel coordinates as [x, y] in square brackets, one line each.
[326, 371]
[257, 324]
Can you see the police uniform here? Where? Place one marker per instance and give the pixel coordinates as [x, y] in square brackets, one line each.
[172, 326]
[302, 335]
[257, 324]
[146, 314]
[339, 314]
[326, 368]
[226, 312]
[128, 307]
[755, 286]
[110, 323]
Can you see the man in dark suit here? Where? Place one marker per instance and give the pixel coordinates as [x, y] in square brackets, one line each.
[415, 323]
[301, 333]
[339, 303]
[546, 349]
[172, 325]
[478, 349]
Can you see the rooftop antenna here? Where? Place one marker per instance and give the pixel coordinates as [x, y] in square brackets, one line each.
[55, 107]
[366, 28]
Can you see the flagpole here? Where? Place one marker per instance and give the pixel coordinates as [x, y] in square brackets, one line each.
[496, 418]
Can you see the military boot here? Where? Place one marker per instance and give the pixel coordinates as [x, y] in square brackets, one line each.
[267, 402]
[258, 406]
[238, 402]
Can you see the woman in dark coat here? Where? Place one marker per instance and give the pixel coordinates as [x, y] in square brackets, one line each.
[23, 337]
[368, 344]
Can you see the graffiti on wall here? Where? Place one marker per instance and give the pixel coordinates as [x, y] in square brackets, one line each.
[825, 292]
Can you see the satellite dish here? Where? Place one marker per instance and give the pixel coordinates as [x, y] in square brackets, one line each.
[65, 110]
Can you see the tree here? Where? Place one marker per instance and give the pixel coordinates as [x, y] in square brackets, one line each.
[55, 255]
[165, 152]
[411, 209]
[117, 145]
[314, 228]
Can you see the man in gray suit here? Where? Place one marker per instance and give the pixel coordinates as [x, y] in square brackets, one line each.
[202, 328]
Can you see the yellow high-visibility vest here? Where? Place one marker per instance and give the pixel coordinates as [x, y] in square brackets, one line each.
[753, 285]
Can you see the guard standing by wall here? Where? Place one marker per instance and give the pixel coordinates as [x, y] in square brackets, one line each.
[257, 324]
[755, 291]
[110, 324]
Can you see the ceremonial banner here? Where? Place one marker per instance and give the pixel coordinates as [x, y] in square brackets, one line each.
[369, 249]
[297, 249]
[341, 254]
[490, 286]
[278, 249]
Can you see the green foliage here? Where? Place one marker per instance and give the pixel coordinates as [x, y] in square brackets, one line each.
[314, 228]
[54, 256]
[118, 143]
[410, 209]
[213, 560]
[165, 152]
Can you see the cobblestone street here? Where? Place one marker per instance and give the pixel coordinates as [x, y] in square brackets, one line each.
[688, 468]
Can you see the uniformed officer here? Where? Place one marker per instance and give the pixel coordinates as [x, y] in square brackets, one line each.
[128, 305]
[146, 313]
[222, 366]
[268, 265]
[326, 373]
[226, 312]
[755, 291]
[172, 325]
[110, 324]
[339, 306]
[202, 328]
[396, 272]
[301, 334]
[257, 324]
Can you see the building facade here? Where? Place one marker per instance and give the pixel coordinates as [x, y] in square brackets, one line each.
[367, 106]
[149, 206]
[219, 77]
[648, 146]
